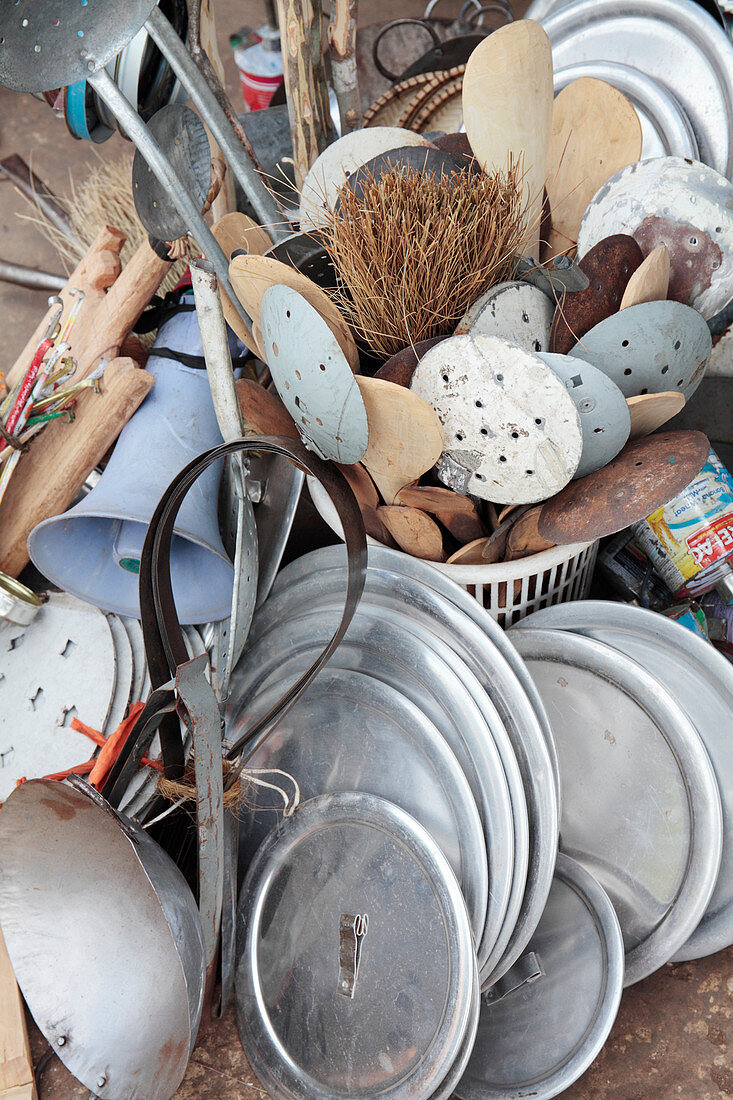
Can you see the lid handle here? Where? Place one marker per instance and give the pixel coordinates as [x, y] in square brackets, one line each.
[352, 930]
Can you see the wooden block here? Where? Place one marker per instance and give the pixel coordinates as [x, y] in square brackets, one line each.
[50, 475]
[16, 1066]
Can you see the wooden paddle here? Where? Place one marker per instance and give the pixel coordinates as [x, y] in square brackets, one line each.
[368, 500]
[413, 531]
[252, 275]
[507, 109]
[236, 231]
[472, 554]
[524, 539]
[650, 410]
[595, 132]
[263, 412]
[456, 512]
[650, 281]
[405, 435]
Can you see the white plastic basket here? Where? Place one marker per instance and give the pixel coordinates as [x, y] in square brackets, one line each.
[508, 590]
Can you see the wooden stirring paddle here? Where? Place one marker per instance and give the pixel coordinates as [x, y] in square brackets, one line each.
[595, 132]
[413, 531]
[650, 281]
[507, 110]
[405, 435]
[650, 410]
[457, 513]
[367, 498]
[524, 539]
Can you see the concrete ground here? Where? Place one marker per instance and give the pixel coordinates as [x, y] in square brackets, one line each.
[672, 1036]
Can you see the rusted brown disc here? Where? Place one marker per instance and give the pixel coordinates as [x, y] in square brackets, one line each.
[644, 476]
[609, 266]
[401, 367]
[457, 144]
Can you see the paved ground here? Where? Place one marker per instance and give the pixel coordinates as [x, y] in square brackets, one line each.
[672, 1036]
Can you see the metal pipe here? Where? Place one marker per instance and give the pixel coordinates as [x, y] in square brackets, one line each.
[159, 164]
[30, 277]
[187, 71]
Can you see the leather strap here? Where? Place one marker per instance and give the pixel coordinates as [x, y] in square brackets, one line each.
[164, 642]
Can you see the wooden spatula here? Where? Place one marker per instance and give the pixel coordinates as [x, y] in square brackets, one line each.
[507, 109]
[413, 531]
[405, 435]
[368, 499]
[238, 231]
[595, 132]
[524, 539]
[252, 275]
[650, 410]
[456, 512]
[650, 281]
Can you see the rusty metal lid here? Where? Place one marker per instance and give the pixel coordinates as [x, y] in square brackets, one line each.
[645, 475]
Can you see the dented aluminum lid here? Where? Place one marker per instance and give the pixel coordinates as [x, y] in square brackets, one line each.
[512, 432]
[653, 347]
[683, 204]
[337, 911]
[313, 376]
[651, 830]
[181, 135]
[604, 415]
[678, 44]
[515, 311]
[546, 1021]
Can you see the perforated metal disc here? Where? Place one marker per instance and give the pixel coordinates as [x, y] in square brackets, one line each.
[651, 830]
[512, 432]
[701, 680]
[47, 44]
[313, 377]
[514, 311]
[650, 348]
[604, 415]
[521, 1048]
[379, 644]
[683, 204]
[340, 857]
[182, 136]
[60, 667]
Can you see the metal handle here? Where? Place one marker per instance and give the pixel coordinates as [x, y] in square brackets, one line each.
[390, 26]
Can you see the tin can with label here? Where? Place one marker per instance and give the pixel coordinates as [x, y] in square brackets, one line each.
[690, 539]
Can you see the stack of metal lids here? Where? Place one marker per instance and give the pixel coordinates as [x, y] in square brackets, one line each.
[420, 867]
[639, 47]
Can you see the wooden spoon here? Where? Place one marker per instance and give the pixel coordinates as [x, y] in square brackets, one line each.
[263, 412]
[524, 539]
[252, 275]
[595, 132]
[405, 435]
[457, 513]
[507, 109]
[471, 554]
[650, 281]
[230, 232]
[368, 500]
[650, 410]
[414, 531]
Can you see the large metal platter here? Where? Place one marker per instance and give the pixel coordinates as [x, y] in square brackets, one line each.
[701, 680]
[649, 35]
[521, 1049]
[60, 666]
[665, 127]
[338, 858]
[378, 644]
[393, 561]
[437, 615]
[650, 829]
[47, 44]
[448, 1087]
[349, 732]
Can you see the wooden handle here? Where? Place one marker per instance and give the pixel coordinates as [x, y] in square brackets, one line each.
[50, 475]
[305, 83]
[226, 201]
[16, 1067]
[342, 40]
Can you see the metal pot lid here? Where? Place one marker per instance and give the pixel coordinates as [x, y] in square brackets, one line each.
[100, 925]
[648, 34]
[643, 476]
[653, 347]
[539, 1037]
[418, 159]
[448, 1086]
[651, 831]
[378, 645]
[182, 136]
[47, 45]
[17, 603]
[338, 914]
[683, 204]
[604, 415]
[512, 432]
[60, 666]
[518, 312]
[313, 376]
[349, 732]
[430, 613]
[665, 128]
[701, 679]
